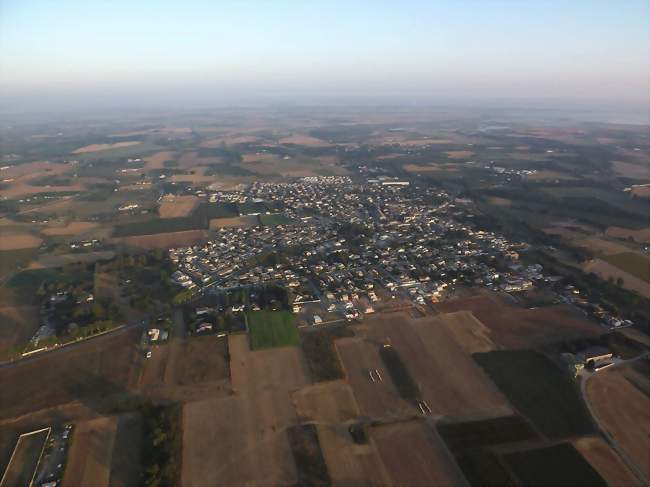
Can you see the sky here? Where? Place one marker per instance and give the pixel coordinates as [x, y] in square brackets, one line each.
[194, 52]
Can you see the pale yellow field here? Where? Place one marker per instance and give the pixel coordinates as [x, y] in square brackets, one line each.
[156, 161]
[72, 228]
[302, 139]
[459, 154]
[430, 168]
[178, 206]
[14, 241]
[103, 147]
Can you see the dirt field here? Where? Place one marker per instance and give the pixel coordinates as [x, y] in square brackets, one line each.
[238, 221]
[93, 373]
[103, 147]
[459, 154]
[241, 439]
[414, 455]
[302, 139]
[498, 201]
[472, 335]
[641, 191]
[329, 402]
[514, 327]
[548, 175]
[164, 240]
[375, 399]
[187, 361]
[633, 171]
[416, 168]
[157, 160]
[13, 241]
[105, 451]
[178, 206]
[449, 380]
[24, 460]
[641, 236]
[64, 259]
[72, 228]
[606, 462]
[605, 270]
[624, 411]
[602, 246]
[18, 325]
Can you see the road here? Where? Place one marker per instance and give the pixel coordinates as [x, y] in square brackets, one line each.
[586, 375]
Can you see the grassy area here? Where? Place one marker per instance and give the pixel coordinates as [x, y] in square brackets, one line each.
[540, 390]
[275, 219]
[161, 445]
[320, 353]
[270, 329]
[405, 384]
[10, 260]
[308, 456]
[555, 465]
[635, 264]
[25, 460]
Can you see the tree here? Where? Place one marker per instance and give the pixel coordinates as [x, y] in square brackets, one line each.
[620, 282]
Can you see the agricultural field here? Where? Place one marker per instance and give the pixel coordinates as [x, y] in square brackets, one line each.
[513, 327]
[178, 206]
[539, 390]
[269, 329]
[628, 281]
[560, 464]
[320, 352]
[606, 462]
[242, 438]
[632, 263]
[104, 451]
[234, 222]
[18, 241]
[25, 458]
[164, 240]
[414, 455]
[104, 147]
[640, 236]
[622, 407]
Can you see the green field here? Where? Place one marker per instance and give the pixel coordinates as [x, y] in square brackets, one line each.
[270, 329]
[635, 264]
[275, 219]
[555, 465]
[540, 390]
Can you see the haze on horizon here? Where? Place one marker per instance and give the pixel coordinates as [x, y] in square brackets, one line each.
[54, 55]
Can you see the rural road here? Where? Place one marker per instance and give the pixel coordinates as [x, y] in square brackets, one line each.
[620, 451]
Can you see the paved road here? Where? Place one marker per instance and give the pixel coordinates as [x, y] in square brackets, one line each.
[586, 375]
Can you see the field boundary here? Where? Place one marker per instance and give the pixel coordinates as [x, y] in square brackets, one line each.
[13, 454]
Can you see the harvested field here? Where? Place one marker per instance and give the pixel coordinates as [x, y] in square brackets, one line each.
[199, 360]
[641, 236]
[540, 390]
[475, 435]
[513, 327]
[560, 464]
[46, 261]
[302, 139]
[164, 240]
[417, 168]
[631, 262]
[624, 411]
[329, 402]
[459, 154]
[178, 206]
[242, 438]
[17, 241]
[374, 399]
[414, 455]
[548, 176]
[632, 171]
[498, 201]
[449, 380]
[607, 463]
[91, 452]
[282, 368]
[72, 228]
[94, 373]
[641, 191]
[18, 325]
[24, 460]
[350, 463]
[472, 335]
[607, 270]
[235, 222]
[103, 147]
[157, 160]
[601, 246]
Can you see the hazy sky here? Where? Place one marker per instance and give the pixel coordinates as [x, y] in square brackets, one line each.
[58, 50]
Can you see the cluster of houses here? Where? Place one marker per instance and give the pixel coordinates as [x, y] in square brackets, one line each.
[351, 244]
